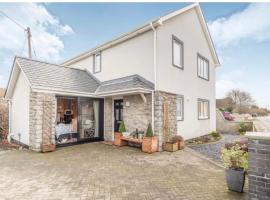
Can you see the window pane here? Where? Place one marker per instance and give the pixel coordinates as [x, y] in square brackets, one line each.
[203, 67]
[97, 62]
[176, 54]
[179, 110]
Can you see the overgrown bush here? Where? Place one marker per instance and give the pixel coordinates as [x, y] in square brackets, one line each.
[235, 157]
[243, 143]
[122, 127]
[149, 132]
[243, 128]
[215, 134]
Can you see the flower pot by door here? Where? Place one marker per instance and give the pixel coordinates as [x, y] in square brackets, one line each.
[48, 148]
[150, 144]
[235, 179]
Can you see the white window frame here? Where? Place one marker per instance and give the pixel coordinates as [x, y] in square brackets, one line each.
[202, 67]
[178, 42]
[203, 109]
[180, 108]
[97, 70]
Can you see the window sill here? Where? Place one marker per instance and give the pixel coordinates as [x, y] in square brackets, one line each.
[204, 118]
[203, 78]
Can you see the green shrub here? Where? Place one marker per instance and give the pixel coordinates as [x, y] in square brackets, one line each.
[122, 127]
[149, 132]
[243, 128]
[235, 157]
[215, 134]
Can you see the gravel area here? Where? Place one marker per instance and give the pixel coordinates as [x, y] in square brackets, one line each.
[213, 150]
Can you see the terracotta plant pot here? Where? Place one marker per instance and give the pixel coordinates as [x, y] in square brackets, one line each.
[181, 144]
[118, 139]
[150, 144]
[48, 148]
[171, 146]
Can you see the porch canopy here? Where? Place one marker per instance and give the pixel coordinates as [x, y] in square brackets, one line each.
[61, 80]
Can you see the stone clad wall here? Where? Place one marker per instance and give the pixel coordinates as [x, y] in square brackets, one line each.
[108, 119]
[138, 114]
[42, 119]
[160, 98]
[259, 165]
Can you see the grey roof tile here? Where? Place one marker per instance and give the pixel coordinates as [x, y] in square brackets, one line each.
[42, 74]
[128, 82]
[56, 77]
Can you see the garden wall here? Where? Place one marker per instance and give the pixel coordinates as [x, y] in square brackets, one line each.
[259, 165]
[225, 126]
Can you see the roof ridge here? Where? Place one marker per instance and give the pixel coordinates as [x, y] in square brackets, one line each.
[154, 20]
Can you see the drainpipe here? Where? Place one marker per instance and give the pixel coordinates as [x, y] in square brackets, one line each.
[155, 73]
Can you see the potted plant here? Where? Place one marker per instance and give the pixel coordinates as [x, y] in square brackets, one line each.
[235, 159]
[150, 142]
[118, 135]
[180, 142]
[171, 145]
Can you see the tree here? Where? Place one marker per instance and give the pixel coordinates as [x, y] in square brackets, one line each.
[241, 100]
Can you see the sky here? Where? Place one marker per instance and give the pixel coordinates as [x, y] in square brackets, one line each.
[240, 31]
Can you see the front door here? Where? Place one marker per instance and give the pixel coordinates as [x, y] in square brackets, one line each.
[118, 113]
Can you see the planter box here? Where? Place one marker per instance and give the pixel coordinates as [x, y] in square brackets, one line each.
[150, 144]
[235, 179]
[118, 139]
[48, 148]
[171, 147]
[181, 144]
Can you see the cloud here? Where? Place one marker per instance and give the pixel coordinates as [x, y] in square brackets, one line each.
[47, 31]
[252, 23]
[229, 81]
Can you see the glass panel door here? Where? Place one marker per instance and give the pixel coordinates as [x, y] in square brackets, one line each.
[88, 124]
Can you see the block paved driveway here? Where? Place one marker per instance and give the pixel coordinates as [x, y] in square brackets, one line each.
[100, 171]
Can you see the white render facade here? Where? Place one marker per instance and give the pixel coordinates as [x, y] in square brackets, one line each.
[169, 61]
[150, 53]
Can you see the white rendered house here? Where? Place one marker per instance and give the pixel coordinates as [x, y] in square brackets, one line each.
[171, 59]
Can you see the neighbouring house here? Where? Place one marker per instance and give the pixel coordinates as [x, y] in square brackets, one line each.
[171, 59]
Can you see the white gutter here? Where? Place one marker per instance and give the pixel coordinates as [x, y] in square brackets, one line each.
[121, 92]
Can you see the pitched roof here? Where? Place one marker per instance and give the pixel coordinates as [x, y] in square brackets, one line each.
[148, 26]
[55, 77]
[125, 83]
[50, 77]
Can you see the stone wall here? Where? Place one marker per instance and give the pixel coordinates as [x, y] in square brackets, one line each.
[160, 98]
[108, 133]
[42, 119]
[137, 114]
[259, 165]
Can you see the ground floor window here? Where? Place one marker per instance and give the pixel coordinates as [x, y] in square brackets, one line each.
[203, 109]
[78, 119]
[180, 107]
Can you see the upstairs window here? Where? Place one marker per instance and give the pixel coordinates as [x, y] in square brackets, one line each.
[203, 109]
[203, 67]
[177, 53]
[180, 108]
[97, 62]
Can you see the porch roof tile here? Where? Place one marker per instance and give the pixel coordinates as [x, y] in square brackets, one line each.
[60, 78]
[51, 76]
[128, 82]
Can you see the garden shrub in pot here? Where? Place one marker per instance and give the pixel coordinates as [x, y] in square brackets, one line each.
[118, 135]
[235, 159]
[150, 142]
